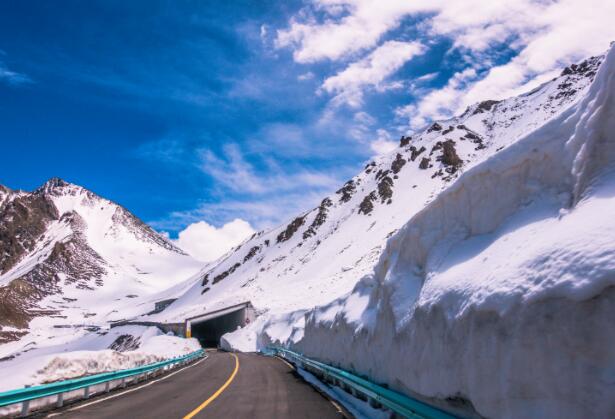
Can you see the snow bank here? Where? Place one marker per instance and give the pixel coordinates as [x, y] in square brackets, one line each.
[91, 355]
[280, 327]
[497, 298]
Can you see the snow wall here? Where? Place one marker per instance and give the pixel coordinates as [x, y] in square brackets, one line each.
[497, 299]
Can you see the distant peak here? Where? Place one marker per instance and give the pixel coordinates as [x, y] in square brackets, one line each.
[55, 184]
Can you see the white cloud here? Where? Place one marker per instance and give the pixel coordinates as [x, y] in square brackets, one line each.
[232, 171]
[546, 35]
[437, 104]
[305, 76]
[350, 26]
[11, 77]
[207, 243]
[383, 146]
[372, 70]
[263, 212]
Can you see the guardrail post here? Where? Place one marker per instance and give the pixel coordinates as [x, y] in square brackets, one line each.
[124, 382]
[107, 386]
[86, 392]
[374, 403]
[25, 406]
[60, 402]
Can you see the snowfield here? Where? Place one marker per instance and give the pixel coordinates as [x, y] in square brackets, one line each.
[120, 348]
[497, 298]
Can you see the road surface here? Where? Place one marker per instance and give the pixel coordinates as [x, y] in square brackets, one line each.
[224, 385]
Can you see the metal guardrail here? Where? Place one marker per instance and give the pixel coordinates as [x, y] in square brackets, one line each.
[25, 395]
[357, 386]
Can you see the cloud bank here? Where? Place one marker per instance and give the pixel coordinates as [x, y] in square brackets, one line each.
[370, 38]
[207, 243]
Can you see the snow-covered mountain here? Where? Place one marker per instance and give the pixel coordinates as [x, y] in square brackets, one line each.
[71, 259]
[321, 254]
[472, 267]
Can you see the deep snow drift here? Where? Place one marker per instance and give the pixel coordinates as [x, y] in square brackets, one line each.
[497, 298]
[120, 348]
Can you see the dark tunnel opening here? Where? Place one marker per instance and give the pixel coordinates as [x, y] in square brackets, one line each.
[209, 332]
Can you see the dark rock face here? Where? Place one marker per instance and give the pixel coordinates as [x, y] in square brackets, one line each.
[22, 222]
[366, 206]
[472, 136]
[424, 164]
[476, 139]
[226, 273]
[586, 68]
[398, 163]
[251, 253]
[485, 106]
[346, 191]
[415, 153]
[404, 141]
[16, 300]
[125, 343]
[205, 279]
[449, 156]
[385, 189]
[369, 167]
[435, 127]
[449, 129]
[291, 229]
[320, 218]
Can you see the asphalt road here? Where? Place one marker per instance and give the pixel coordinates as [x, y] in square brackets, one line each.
[224, 385]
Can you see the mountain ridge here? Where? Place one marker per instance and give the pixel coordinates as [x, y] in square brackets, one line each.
[63, 236]
[324, 251]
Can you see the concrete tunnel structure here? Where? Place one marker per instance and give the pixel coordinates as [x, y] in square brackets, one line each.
[209, 327]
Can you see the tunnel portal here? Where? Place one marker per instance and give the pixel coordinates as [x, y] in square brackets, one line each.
[209, 328]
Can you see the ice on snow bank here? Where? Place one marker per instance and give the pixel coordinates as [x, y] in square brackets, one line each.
[498, 297]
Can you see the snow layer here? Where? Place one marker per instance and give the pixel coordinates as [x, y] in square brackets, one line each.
[90, 354]
[497, 298]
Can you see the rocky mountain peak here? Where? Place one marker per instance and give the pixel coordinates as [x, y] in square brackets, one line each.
[56, 185]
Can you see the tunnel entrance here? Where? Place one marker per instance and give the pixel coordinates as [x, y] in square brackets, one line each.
[209, 328]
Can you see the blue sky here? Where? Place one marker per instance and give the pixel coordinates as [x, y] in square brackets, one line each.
[188, 111]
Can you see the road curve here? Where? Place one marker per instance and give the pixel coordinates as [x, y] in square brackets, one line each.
[225, 385]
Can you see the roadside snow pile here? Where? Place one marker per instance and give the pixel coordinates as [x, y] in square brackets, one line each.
[121, 348]
[497, 298]
[280, 327]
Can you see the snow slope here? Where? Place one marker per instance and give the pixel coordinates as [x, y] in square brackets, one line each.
[496, 299]
[322, 254]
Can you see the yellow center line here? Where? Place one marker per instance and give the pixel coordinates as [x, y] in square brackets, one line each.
[217, 393]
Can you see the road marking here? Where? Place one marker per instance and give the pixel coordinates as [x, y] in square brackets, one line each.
[292, 367]
[337, 406]
[81, 406]
[217, 393]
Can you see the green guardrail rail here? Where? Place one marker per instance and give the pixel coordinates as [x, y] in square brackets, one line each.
[58, 388]
[397, 402]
